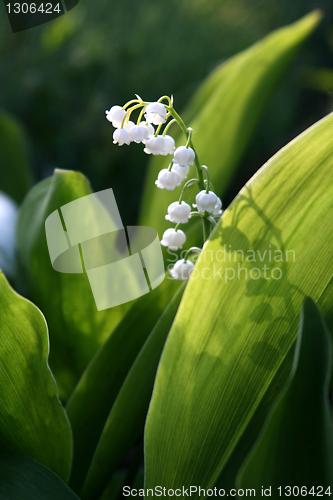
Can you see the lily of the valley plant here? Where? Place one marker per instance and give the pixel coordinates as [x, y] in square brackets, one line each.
[157, 141]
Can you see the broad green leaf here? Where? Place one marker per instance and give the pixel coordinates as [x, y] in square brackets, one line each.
[24, 479]
[125, 423]
[91, 402]
[77, 328]
[296, 444]
[224, 113]
[32, 419]
[15, 173]
[238, 319]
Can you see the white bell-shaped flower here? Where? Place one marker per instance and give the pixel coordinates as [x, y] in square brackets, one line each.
[115, 115]
[167, 180]
[154, 145]
[139, 133]
[8, 218]
[155, 113]
[173, 239]
[218, 208]
[182, 171]
[151, 130]
[205, 202]
[169, 145]
[128, 126]
[178, 212]
[121, 136]
[182, 270]
[184, 156]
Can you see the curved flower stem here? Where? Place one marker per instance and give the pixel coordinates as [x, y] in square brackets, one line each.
[158, 129]
[165, 98]
[140, 115]
[128, 114]
[168, 126]
[207, 175]
[212, 220]
[134, 101]
[189, 132]
[201, 182]
[192, 250]
[187, 184]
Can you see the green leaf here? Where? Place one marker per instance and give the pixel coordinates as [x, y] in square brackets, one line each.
[91, 402]
[235, 327]
[15, 174]
[24, 479]
[32, 420]
[296, 444]
[77, 328]
[225, 111]
[125, 423]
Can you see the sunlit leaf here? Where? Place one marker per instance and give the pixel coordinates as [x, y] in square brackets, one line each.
[77, 328]
[236, 325]
[32, 419]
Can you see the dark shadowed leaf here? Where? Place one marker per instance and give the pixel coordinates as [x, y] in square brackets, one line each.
[91, 402]
[24, 479]
[295, 447]
[125, 423]
[15, 174]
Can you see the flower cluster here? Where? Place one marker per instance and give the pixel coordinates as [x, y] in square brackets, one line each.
[207, 204]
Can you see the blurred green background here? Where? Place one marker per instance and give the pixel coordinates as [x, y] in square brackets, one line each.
[59, 78]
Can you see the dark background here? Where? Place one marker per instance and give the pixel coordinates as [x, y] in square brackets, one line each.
[59, 78]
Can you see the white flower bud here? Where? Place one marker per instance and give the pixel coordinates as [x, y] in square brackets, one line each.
[182, 171]
[184, 156]
[121, 136]
[154, 145]
[217, 209]
[155, 113]
[167, 180]
[139, 133]
[173, 239]
[182, 270]
[178, 212]
[169, 145]
[115, 115]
